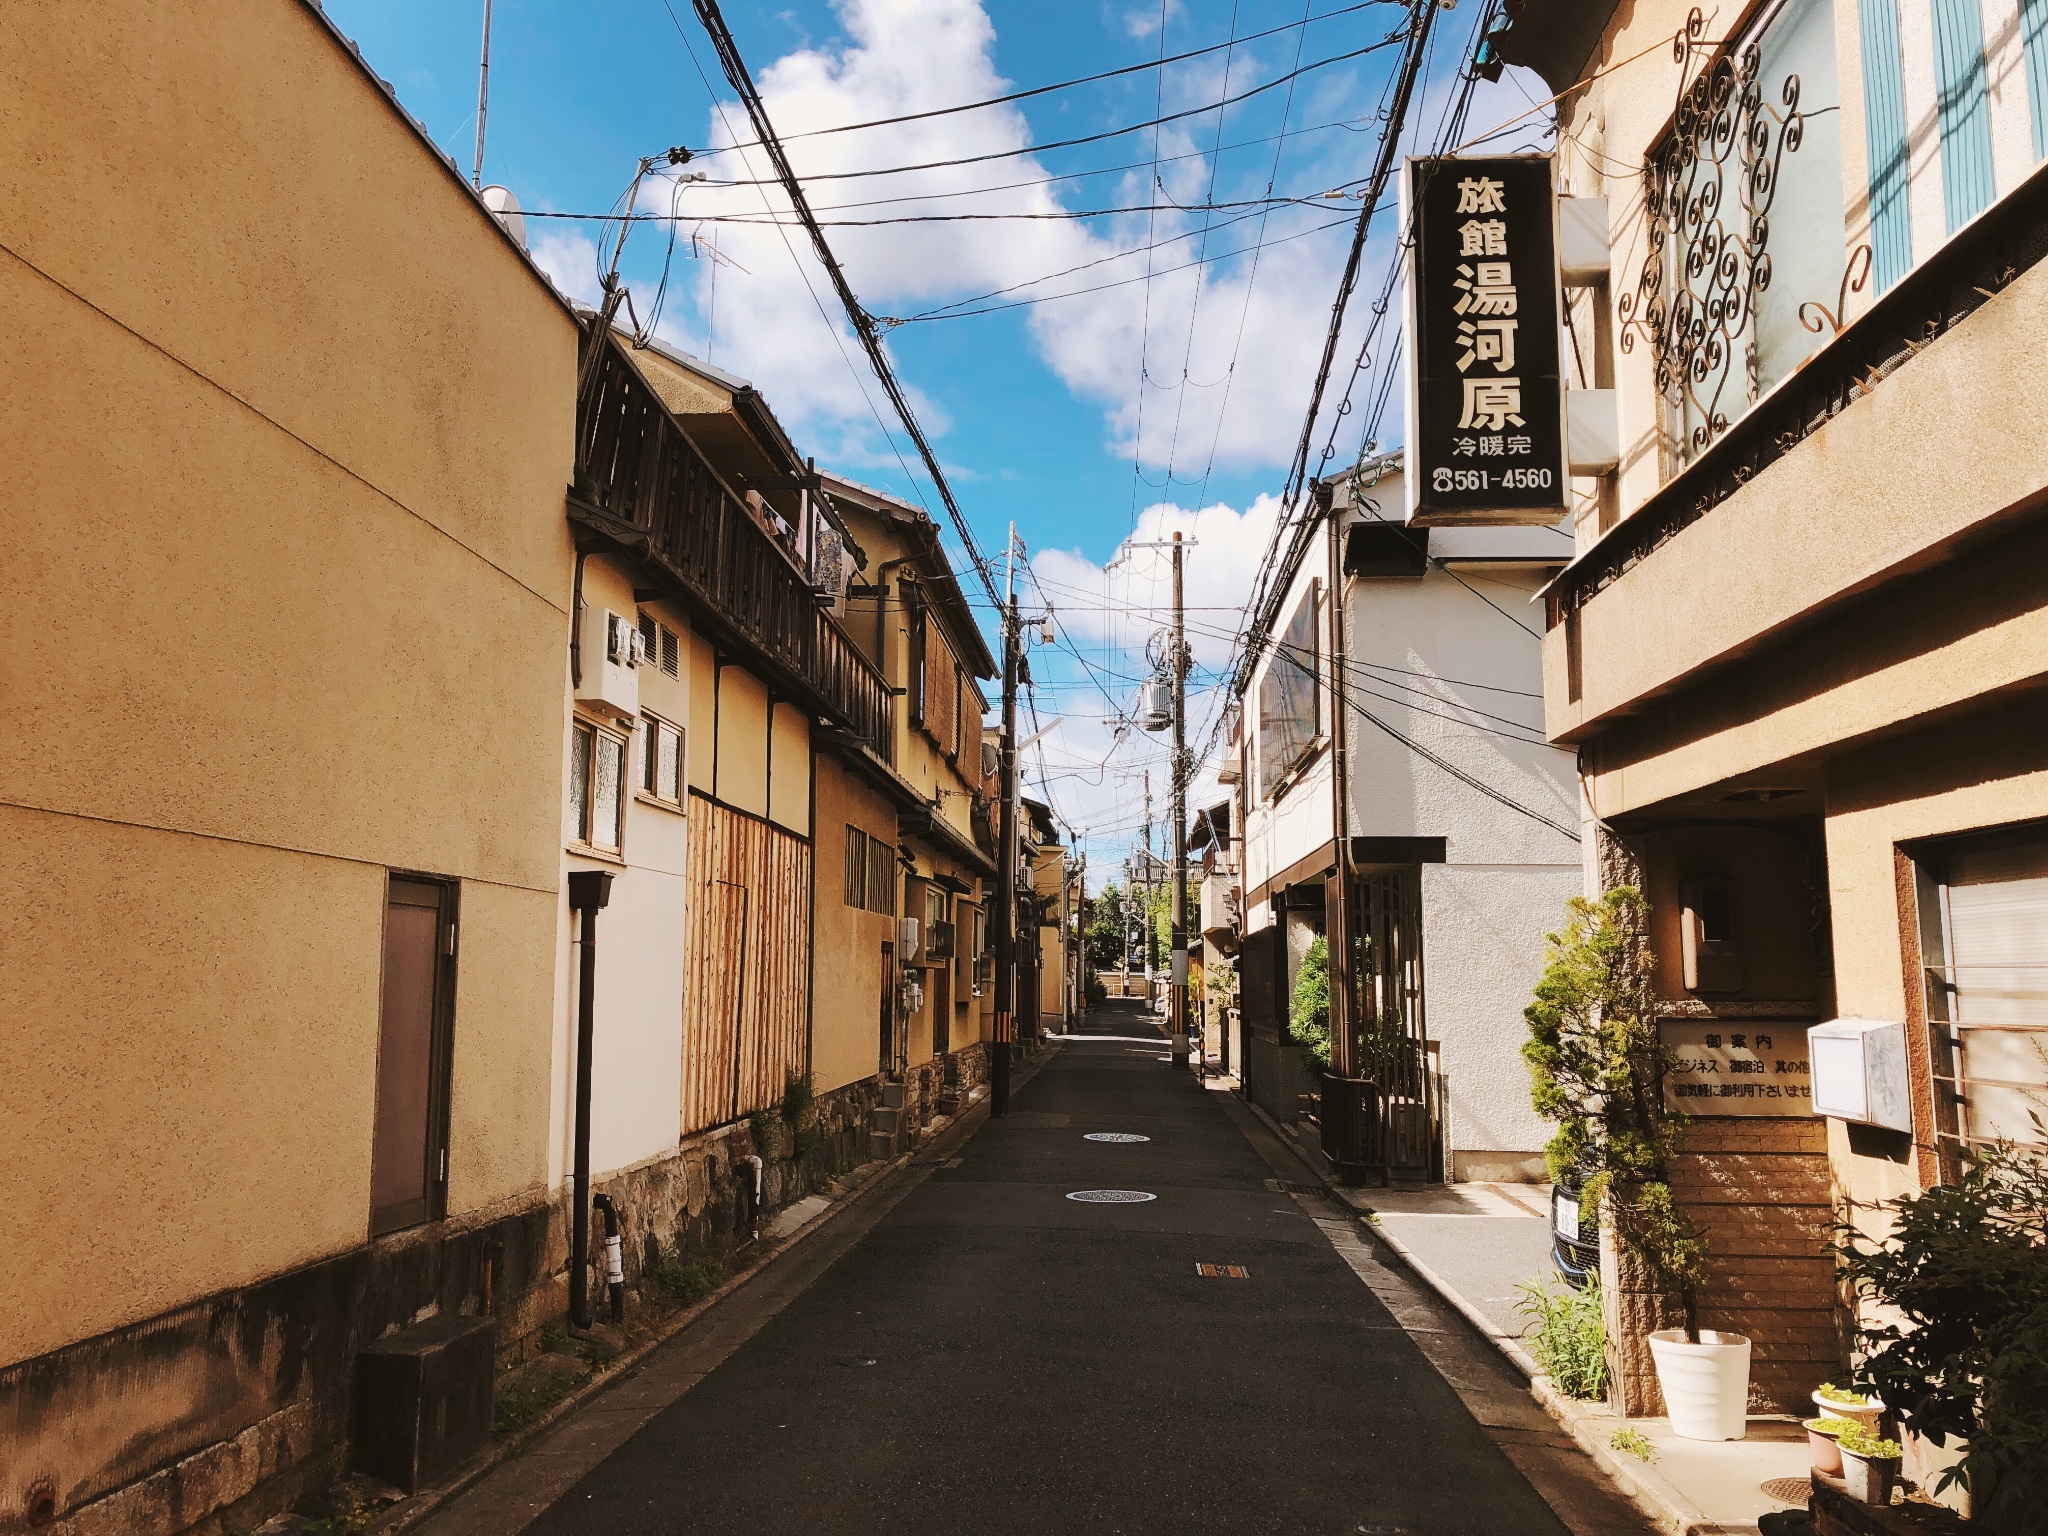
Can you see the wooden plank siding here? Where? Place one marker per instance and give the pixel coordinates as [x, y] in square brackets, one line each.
[746, 945]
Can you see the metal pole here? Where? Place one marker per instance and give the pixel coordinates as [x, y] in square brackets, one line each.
[1006, 855]
[483, 100]
[1177, 979]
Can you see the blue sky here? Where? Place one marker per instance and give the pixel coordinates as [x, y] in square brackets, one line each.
[1150, 391]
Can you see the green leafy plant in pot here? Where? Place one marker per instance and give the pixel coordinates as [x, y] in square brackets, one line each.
[1596, 1067]
[1955, 1337]
[1869, 1465]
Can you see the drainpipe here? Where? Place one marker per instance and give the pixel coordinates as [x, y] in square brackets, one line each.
[590, 890]
[576, 626]
[754, 1206]
[614, 1259]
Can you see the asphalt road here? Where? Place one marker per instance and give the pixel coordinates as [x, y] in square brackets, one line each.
[993, 1356]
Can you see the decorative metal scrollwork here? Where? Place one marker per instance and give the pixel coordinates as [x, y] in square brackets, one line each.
[1708, 189]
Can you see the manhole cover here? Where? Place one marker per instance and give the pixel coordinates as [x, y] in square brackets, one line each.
[1788, 1490]
[1121, 1138]
[1110, 1196]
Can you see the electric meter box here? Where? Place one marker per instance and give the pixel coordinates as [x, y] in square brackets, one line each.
[1859, 1072]
[608, 652]
[908, 949]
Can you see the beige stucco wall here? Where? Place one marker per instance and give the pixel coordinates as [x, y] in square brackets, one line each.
[741, 744]
[1834, 518]
[1987, 773]
[846, 975]
[789, 769]
[285, 608]
[702, 658]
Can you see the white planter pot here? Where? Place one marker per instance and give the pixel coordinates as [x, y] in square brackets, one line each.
[1706, 1385]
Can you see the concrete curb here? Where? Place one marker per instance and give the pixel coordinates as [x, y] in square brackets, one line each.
[942, 1137]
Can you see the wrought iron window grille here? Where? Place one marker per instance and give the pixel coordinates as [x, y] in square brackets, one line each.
[1708, 190]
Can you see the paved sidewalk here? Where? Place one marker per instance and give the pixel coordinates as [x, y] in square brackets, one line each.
[1474, 1243]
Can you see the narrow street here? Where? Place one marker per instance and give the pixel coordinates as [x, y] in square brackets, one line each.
[992, 1355]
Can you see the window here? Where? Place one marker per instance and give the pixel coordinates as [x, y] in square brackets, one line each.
[1984, 941]
[409, 1140]
[881, 877]
[597, 782]
[1289, 703]
[869, 881]
[661, 759]
[660, 645]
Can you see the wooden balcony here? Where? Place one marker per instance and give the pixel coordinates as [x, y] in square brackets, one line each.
[641, 481]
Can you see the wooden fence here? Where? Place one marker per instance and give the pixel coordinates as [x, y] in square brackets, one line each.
[746, 976]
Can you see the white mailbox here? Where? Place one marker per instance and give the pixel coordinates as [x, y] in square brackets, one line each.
[1859, 1072]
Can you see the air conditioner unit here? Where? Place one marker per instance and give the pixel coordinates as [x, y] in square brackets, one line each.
[909, 932]
[610, 653]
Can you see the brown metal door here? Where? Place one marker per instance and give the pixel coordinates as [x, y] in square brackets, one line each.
[408, 1149]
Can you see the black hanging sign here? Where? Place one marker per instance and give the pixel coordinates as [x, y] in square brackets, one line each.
[1486, 433]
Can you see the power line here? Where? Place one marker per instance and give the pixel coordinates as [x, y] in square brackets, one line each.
[863, 323]
[1107, 133]
[860, 384]
[1066, 85]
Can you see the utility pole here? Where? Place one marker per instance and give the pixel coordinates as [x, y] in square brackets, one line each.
[483, 100]
[1006, 854]
[1177, 978]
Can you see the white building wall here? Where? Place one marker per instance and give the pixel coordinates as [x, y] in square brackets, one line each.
[1279, 833]
[1452, 662]
[637, 1043]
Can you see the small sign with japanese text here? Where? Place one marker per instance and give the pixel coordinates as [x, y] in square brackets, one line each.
[1736, 1067]
[1485, 386]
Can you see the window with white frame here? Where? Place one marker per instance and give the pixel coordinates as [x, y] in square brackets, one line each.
[661, 759]
[597, 787]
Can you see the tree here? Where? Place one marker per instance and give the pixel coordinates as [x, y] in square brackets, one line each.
[1596, 1067]
[1105, 936]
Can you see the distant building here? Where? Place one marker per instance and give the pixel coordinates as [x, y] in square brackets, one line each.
[1399, 701]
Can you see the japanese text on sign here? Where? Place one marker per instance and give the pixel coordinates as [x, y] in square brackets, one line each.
[1485, 395]
[1736, 1067]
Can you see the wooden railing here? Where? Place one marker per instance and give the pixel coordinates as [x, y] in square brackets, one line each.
[635, 465]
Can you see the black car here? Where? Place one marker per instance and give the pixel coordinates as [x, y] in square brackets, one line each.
[1574, 1232]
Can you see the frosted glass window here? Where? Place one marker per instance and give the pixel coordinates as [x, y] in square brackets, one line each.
[607, 796]
[579, 782]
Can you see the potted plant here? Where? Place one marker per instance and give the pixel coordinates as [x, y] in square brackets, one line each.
[1869, 1465]
[1843, 1403]
[1596, 1067]
[1822, 1435]
[1954, 1337]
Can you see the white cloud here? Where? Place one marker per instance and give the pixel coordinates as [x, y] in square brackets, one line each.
[1096, 762]
[1189, 327]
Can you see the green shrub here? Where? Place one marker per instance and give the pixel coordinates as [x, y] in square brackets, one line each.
[686, 1283]
[1958, 1343]
[1570, 1340]
[798, 1097]
[1308, 1016]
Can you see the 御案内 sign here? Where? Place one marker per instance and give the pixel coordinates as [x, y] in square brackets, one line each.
[1736, 1067]
[1486, 434]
